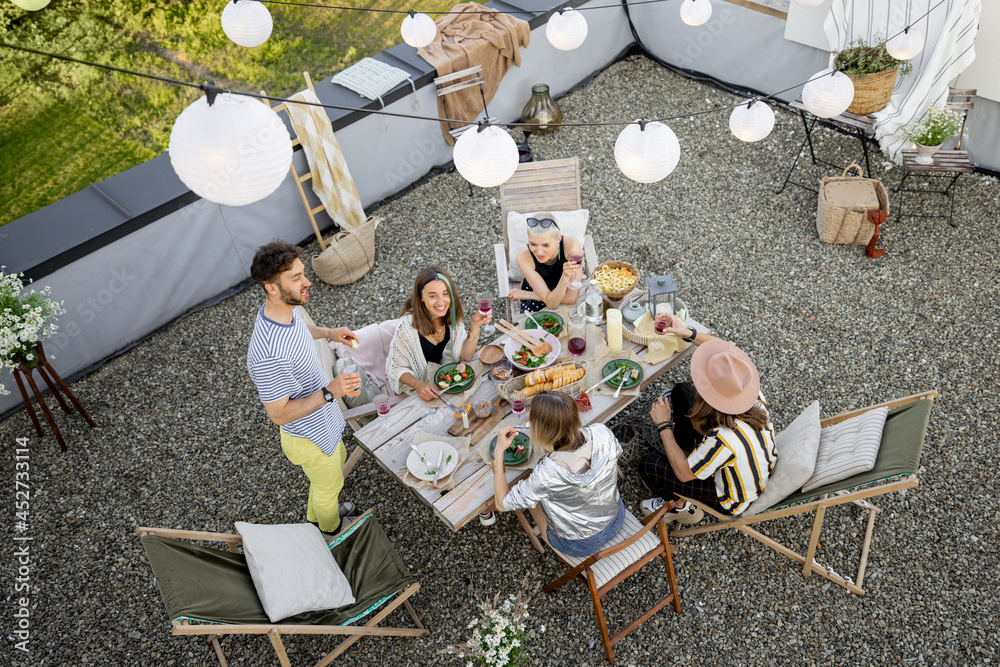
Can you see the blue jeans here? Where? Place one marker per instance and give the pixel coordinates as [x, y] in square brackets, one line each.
[589, 545]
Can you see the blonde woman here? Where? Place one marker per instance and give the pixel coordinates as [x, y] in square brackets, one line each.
[572, 493]
[547, 271]
[431, 330]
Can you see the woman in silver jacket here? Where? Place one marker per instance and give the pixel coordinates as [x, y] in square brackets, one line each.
[572, 493]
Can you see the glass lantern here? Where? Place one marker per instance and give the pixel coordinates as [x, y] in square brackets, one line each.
[662, 295]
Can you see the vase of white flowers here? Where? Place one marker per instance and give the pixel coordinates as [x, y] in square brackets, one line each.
[937, 126]
[499, 634]
[25, 319]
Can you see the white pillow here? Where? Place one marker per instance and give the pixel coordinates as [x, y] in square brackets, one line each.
[292, 569]
[796, 448]
[848, 448]
[571, 223]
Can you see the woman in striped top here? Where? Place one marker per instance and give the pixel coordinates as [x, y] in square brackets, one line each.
[717, 435]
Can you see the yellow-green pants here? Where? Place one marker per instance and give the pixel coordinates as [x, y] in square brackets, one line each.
[326, 478]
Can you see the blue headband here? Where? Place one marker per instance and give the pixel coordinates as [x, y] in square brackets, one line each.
[451, 294]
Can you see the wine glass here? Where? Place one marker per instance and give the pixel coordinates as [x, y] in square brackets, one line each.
[517, 406]
[382, 407]
[351, 366]
[576, 256]
[485, 302]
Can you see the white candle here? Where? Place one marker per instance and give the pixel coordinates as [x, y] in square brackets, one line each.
[465, 419]
[614, 329]
[662, 308]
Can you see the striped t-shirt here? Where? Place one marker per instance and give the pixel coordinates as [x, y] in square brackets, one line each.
[282, 361]
[741, 459]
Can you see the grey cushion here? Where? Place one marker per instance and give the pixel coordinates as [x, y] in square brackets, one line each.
[848, 448]
[292, 569]
[796, 448]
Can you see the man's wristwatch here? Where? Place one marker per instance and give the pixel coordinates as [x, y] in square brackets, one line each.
[694, 334]
[327, 395]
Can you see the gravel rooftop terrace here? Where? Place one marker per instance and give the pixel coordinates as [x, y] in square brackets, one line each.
[182, 441]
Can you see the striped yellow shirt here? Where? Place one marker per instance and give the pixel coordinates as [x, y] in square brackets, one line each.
[741, 459]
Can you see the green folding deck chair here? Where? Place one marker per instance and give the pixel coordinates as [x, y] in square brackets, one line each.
[895, 469]
[208, 591]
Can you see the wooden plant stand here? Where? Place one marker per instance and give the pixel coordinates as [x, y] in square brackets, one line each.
[23, 374]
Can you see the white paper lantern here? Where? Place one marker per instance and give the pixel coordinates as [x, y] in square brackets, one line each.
[246, 22]
[566, 30]
[647, 155]
[696, 12]
[808, 4]
[486, 158]
[905, 45]
[31, 5]
[826, 96]
[234, 152]
[752, 121]
[418, 30]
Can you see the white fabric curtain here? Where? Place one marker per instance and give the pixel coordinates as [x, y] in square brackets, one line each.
[949, 32]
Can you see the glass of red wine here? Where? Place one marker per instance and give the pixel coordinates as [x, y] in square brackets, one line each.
[661, 326]
[577, 335]
[517, 405]
[382, 407]
[485, 303]
[576, 256]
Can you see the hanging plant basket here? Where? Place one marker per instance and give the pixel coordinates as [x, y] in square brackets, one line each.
[872, 93]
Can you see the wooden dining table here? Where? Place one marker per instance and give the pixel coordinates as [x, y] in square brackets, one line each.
[388, 440]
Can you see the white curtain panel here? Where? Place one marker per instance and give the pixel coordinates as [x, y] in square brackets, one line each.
[949, 36]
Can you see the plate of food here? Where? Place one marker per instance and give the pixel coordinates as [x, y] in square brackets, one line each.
[453, 378]
[521, 357]
[551, 322]
[423, 460]
[630, 376]
[518, 452]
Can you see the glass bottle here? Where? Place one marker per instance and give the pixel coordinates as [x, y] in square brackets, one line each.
[541, 108]
[593, 303]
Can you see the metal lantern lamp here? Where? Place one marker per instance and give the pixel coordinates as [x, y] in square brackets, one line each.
[662, 295]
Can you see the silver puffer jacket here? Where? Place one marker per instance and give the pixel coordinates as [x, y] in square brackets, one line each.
[576, 506]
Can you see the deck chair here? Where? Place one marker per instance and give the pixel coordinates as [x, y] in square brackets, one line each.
[624, 555]
[551, 185]
[895, 469]
[208, 591]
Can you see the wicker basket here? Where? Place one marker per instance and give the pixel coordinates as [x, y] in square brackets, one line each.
[621, 294]
[848, 224]
[872, 93]
[519, 382]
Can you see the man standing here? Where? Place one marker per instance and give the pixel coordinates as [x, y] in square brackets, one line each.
[291, 383]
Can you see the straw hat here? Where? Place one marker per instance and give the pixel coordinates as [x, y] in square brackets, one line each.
[725, 377]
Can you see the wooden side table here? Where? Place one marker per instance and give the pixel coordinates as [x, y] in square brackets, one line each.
[947, 164]
[23, 374]
[849, 123]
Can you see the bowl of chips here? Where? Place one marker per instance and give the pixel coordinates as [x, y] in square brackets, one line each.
[616, 279]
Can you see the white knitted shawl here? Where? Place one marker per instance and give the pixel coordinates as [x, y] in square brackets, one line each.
[405, 355]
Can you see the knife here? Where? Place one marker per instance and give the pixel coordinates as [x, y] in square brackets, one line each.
[604, 380]
[449, 404]
[437, 470]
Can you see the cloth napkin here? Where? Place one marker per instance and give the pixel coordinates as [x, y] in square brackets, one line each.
[672, 343]
[460, 444]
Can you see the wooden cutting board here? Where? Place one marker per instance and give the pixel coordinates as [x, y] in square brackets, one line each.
[478, 427]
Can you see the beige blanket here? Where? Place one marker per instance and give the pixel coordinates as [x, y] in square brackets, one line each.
[480, 36]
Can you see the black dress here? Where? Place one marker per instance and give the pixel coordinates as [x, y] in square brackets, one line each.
[550, 273]
[432, 352]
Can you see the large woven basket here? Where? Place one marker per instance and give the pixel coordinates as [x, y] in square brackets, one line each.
[519, 382]
[872, 93]
[848, 224]
[621, 294]
[349, 256]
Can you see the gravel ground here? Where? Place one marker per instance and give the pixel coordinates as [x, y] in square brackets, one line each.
[182, 441]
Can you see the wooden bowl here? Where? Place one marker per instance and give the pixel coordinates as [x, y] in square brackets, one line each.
[491, 354]
[619, 295]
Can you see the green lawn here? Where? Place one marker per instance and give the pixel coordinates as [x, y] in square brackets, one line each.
[64, 125]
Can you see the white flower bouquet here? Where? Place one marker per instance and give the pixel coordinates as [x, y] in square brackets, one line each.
[25, 319]
[498, 635]
[938, 126]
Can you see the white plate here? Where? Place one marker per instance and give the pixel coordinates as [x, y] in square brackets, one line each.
[430, 451]
[512, 346]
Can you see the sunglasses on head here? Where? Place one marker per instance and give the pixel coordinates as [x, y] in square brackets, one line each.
[545, 223]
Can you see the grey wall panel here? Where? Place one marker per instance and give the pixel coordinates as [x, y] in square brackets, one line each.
[982, 132]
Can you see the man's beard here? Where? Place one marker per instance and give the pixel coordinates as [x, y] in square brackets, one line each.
[291, 298]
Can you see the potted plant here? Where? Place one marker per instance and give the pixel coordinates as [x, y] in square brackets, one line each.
[25, 319]
[872, 71]
[937, 126]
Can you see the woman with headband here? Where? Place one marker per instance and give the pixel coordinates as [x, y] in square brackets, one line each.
[431, 329]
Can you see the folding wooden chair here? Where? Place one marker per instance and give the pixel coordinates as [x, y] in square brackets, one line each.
[895, 469]
[550, 185]
[624, 555]
[208, 591]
